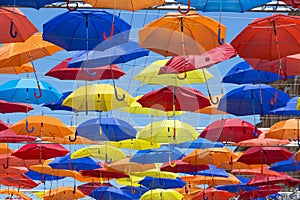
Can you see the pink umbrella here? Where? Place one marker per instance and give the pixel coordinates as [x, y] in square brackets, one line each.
[8, 136]
[271, 180]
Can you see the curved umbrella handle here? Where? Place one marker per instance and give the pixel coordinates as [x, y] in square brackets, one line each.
[40, 91]
[13, 35]
[69, 8]
[296, 4]
[213, 102]
[188, 9]
[90, 73]
[283, 77]
[6, 166]
[111, 32]
[27, 128]
[220, 41]
[182, 78]
[172, 164]
[274, 100]
[133, 190]
[75, 138]
[117, 97]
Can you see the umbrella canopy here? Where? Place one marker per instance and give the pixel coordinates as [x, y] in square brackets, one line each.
[297, 156]
[97, 97]
[253, 99]
[135, 143]
[25, 68]
[178, 34]
[110, 128]
[285, 129]
[168, 131]
[179, 64]
[199, 143]
[3, 126]
[62, 72]
[155, 173]
[57, 105]
[212, 171]
[18, 181]
[265, 180]
[163, 183]
[262, 171]
[30, 4]
[290, 165]
[175, 98]
[24, 91]
[7, 160]
[41, 126]
[126, 166]
[262, 192]
[236, 188]
[11, 192]
[160, 194]
[104, 173]
[212, 193]
[230, 130]
[262, 141]
[282, 31]
[211, 180]
[182, 167]
[9, 136]
[288, 109]
[213, 109]
[15, 25]
[10, 107]
[4, 149]
[63, 192]
[149, 75]
[66, 140]
[87, 188]
[85, 30]
[106, 192]
[265, 155]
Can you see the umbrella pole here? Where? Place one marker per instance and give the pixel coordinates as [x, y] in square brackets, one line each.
[36, 78]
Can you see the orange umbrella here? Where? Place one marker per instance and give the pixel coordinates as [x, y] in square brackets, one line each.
[286, 129]
[297, 156]
[12, 170]
[262, 141]
[213, 109]
[65, 140]
[189, 191]
[25, 68]
[178, 34]
[4, 149]
[211, 180]
[126, 166]
[63, 193]
[11, 192]
[212, 194]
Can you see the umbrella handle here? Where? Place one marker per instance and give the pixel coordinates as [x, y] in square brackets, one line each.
[294, 162]
[213, 102]
[172, 165]
[27, 127]
[133, 190]
[182, 78]
[274, 100]
[90, 73]
[117, 97]
[296, 4]
[255, 132]
[6, 166]
[75, 138]
[111, 32]
[69, 8]
[40, 91]
[298, 140]
[220, 41]
[283, 77]
[13, 35]
[188, 9]
[74, 190]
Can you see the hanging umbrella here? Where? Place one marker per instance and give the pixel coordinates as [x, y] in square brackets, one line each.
[262, 192]
[25, 91]
[18, 181]
[106, 192]
[263, 171]
[42, 176]
[289, 109]
[15, 25]
[253, 99]
[8, 136]
[3, 126]
[62, 72]
[290, 165]
[211, 180]
[155, 173]
[262, 141]
[199, 143]
[104, 173]
[136, 192]
[282, 31]
[11, 192]
[284, 178]
[182, 167]
[149, 75]
[213, 109]
[57, 105]
[109, 128]
[30, 4]
[66, 140]
[174, 98]
[160, 194]
[86, 30]
[126, 166]
[135, 143]
[237, 188]
[63, 192]
[293, 3]
[230, 130]
[178, 34]
[163, 183]
[297, 156]
[87, 188]
[212, 193]
[212, 171]
[24, 68]
[10, 107]
[7, 160]
[285, 129]
[4, 149]
[168, 131]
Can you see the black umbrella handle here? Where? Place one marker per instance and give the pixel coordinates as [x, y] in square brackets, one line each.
[75, 138]
[13, 35]
[220, 41]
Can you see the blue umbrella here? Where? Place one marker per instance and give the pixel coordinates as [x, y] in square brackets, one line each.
[42, 177]
[23, 90]
[77, 164]
[121, 53]
[288, 109]
[199, 143]
[253, 99]
[212, 171]
[237, 187]
[28, 3]
[160, 155]
[243, 73]
[57, 105]
[163, 183]
[106, 192]
[135, 192]
[85, 30]
[289, 165]
[112, 129]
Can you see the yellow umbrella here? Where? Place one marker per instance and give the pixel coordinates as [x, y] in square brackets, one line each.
[99, 97]
[63, 193]
[12, 192]
[155, 173]
[137, 144]
[160, 194]
[149, 75]
[168, 131]
[132, 181]
[101, 152]
[25, 68]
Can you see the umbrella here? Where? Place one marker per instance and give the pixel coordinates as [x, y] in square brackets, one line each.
[104, 173]
[135, 143]
[263, 191]
[4, 149]
[160, 194]
[149, 75]
[86, 30]
[126, 166]
[63, 192]
[42, 176]
[62, 72]
[40, 151]
[7, 160]
[297, 156]
[263, 171]
[175, 98]
[163, 183]
[243, 73]
[262, 141]
[265, 180]
[282, 31]
[290, 165]
[293, 3]
[182, 167]
[11, 192]
[253, 99]
[178, 34]
[131, 5]
[24, 91]
[109, 128]
[136, 192]
[285, 129]
[66, 140]
[87, 188]
[199, 143]
[212, 193]
[30, 4]
[97, 97]
[3, 126]
[10, 107]
[18, 181]
[289, 109]
[57, 105]
[24, 68]
[212, 171]
[232, 130]
[15, 25]
[155, 173]
[8, 136]
[213, 109]
[264, 155]
[168, 131]
[106, 192]
[236, 188]
[121, 53]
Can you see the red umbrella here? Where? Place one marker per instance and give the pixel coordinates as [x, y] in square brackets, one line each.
[261, 192]
[230, 130]
[175, 98]
[19, 181]
[182, 167]
[3, 126]
[213, 194]
[271, 180]
[263, 171]
[269, 38]
[264, 155]
[8, 136]
[62, 72]
[294, 3]
[179, 64]
[40, 151]
[9, 160]
[104, 173]
[11, 107]
[89, 187]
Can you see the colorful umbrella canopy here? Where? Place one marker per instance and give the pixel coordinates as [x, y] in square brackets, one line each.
[31, 4]
[285, 129]
[212, 171]
[25, 68]
[160, 194]
[213, 109]
[263, 171]
[288, 109]
[106, 192]
[4, 149]
[175, 98]
[182, 167]
[135, 143]
[211, 180]
[24, 91]
[236, 188]
[97, 97]
[87, 188]
[10, 107]
[199, 143]
[63, 192]
[149, 75]
[253, 99]
[155, 173]
[263, 191]
[163, 183]
[15, 25]
[9, 136]
[265, 180]
[262, 141]
[7, 160]
[57, 105]
[292, 3]
[12, 192]
[230, 130]
[126, 166]
[168, 131]
[66, 140]
[104, 173]
[212, 193]
[18, 181]
[283, 41]
[297, 156]
[62, 72]
[3, 126]
[289, 165]
[85, 30]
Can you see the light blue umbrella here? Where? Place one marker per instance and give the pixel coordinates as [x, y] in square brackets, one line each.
[199, 143]
[212, 171]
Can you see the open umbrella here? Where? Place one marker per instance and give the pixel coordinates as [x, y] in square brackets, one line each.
[87, 188]
[212, 193]
[178, 34]
[262, 171]
[24, 68]
[63, 192]
[30, 4]
[8, 136]
[163, 183]
[11, 192]
[161, 194]
[293, 3]
[236, 188]
[57, 105]
[135, 143]
[106, 192]
[289, 109]
[11, 107]
[199, 143]
[261, 192]
[126, 166]
[182, 167]
[15, 25]
[18, 181]
[290, 165]
[285, 129]
[211, 180]
[262, 141]
[104, 173]
[284, 178]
